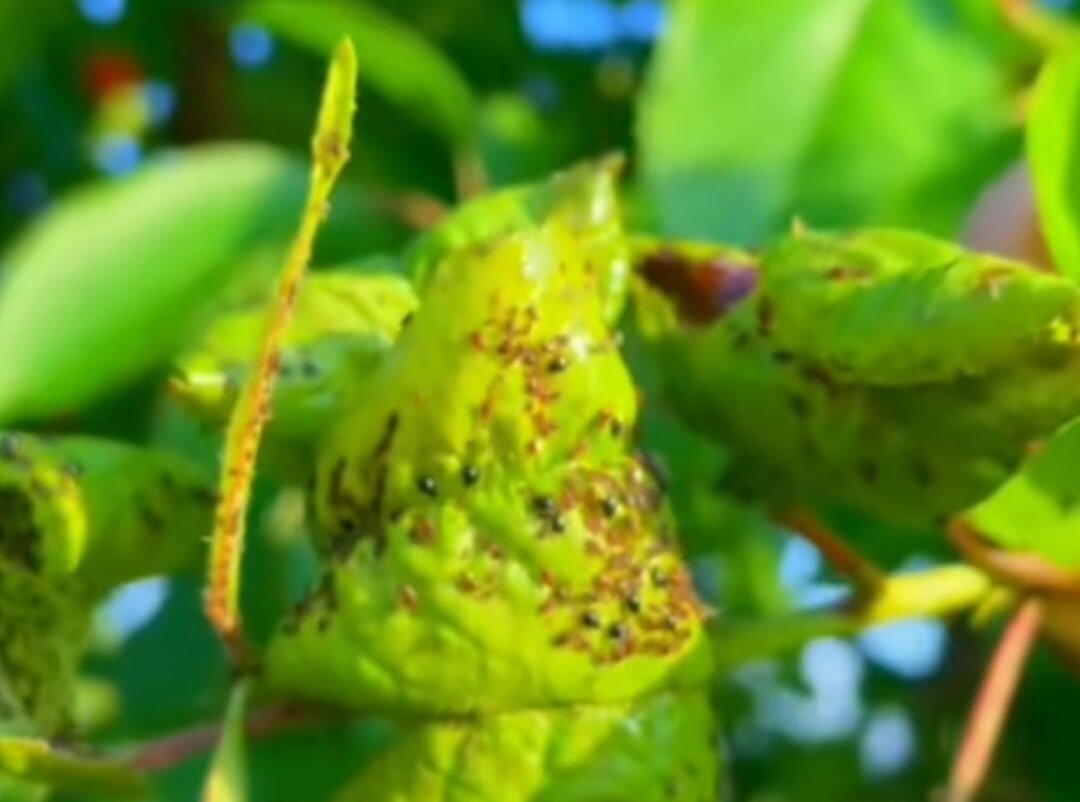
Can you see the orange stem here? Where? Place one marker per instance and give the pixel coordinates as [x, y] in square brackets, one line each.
[866, 576]
[993, 702]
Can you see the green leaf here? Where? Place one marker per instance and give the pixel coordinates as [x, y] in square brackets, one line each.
[112, 281]
[904, 308]
[1038, 510]
[392, 57]
[1054, 152]
[343, 324]
[227, 778]
[757, 110]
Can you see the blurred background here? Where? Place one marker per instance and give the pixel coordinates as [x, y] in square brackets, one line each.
[736, 115]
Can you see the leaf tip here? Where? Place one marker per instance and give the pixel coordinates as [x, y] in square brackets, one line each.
[334, 129]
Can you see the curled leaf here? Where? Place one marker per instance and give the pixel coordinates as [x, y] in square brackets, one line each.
[495, 552]
[585, 196]
[879, 371]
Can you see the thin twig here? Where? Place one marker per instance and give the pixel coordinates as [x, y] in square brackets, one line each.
[867, 577]
[170, 750]
[330, 147]
[470, 175]
[993, 702]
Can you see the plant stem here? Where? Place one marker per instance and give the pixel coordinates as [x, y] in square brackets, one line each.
[170, 750]
[330, 147]
[470, 175]
[992, 704]
[867, 577]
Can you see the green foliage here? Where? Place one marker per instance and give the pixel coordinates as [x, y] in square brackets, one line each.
[70, 292]
[758, 111]
[81, 517]
[1036, 511]
[864, 353]
[479, 626]
[345, 321]
[584, 196]
[895, 308]
[493, 547]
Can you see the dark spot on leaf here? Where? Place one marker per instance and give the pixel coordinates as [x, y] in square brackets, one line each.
[921, 471]
[741, 340]
[544, 506]
[428, 486]
[19, 539]
[847, 273]
[470, 475]
[337, 477]
[388, 435]
[765, 316]
[150, 517]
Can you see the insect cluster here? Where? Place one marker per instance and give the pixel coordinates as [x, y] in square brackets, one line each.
[500, 570]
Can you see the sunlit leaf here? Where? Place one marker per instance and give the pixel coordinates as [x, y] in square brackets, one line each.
[757, 110]
[1039, 509]
[114, 278]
